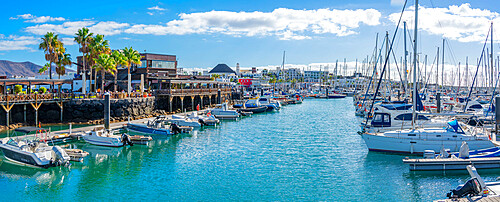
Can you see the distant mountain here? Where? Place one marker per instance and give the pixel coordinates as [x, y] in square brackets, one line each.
[8, 68]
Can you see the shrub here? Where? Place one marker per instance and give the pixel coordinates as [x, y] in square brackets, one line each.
[42, 90]
[18, 89]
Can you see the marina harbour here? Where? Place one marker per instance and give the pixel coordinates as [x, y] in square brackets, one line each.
[309, 151]
[264, 101]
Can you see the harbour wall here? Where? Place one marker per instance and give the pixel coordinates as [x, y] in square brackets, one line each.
[91, 111]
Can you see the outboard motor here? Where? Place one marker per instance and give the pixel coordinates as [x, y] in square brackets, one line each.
[470, 188]
[62, 158]
[175, 128]
[126, 140]
[202, 122]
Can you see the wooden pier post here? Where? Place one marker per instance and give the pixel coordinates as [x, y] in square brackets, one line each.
[201, 104]
[170, 99]
[106, 110]
[36, 106]
[182, 103]
[7, 109]
[192, 103]
[60, 104]
[24, 113]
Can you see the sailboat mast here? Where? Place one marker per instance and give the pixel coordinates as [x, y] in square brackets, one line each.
[405, 82]
[415, 67]
[491, 57]
[442, 69]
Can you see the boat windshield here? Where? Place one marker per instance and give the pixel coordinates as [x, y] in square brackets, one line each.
[453, 126]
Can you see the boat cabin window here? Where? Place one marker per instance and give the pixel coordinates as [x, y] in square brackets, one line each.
[409, 117]
[476, 106]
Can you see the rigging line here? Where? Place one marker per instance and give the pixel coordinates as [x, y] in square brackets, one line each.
[397, 67]
[374, 72]
[383, 70]
[477, 69]
[432, 66]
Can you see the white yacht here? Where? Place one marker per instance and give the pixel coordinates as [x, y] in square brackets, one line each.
[418, 140]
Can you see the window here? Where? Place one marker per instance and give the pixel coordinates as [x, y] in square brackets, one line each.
[163, 64]
[378, 118]
[387, 118]
[409, 117]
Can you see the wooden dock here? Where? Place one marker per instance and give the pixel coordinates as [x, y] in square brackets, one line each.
[452, 163]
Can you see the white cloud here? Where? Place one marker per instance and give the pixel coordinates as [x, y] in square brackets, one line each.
[70, 28]
[17, 42]
[286, 23]
[156, 8]
[68, 41]
[34, 19]
[461, 23]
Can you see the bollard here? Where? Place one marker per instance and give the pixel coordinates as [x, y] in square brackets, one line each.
[70, 128]
[438, 102]
[106, 110]
[326, 93]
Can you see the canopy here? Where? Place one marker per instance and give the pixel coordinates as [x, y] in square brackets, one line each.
[28, 129]
[455, 126]
[397, 106]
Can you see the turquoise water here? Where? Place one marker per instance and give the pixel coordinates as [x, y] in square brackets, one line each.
[305, 152]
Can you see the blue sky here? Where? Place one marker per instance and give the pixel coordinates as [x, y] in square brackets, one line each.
[253, 33]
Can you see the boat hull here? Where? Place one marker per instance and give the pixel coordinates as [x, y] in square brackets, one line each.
[255, 110]
[23, 158]
[145, 129]
[418, 146]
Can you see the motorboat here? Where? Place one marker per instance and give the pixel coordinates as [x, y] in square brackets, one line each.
[160, 125]
[336, 96]
[184, 121]
[208, 120]
[416, 141]
[253, 106]
[221, 111]
[269, 103]
[102, 137]
[33, 151]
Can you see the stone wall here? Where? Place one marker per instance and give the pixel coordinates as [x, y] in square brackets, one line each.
[85, 111]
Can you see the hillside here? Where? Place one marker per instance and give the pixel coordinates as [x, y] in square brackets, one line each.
[8, 68]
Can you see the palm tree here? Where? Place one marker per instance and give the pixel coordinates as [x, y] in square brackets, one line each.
[121, 60]
[64, 60]
[104, 63]
[97, 46]
[133, 57]
[51, 45]
[83, 38]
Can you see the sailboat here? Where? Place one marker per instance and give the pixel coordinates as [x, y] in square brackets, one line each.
[418, 140]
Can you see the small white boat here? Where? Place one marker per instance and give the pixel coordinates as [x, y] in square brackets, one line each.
[184, 121]
[100, 136]
[221, 111]
[208, 120]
